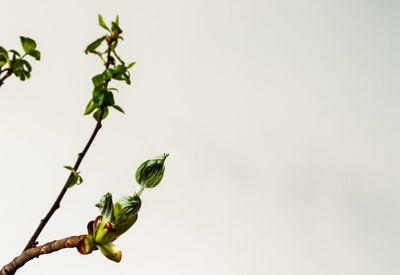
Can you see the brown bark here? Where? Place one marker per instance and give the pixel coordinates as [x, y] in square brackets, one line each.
[31, 253]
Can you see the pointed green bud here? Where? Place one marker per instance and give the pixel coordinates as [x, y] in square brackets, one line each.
[126, 212]
[106, 207]
[151, 172]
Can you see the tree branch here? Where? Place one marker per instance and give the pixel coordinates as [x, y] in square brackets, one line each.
[9, 73]
[56, 204]
[31, 253]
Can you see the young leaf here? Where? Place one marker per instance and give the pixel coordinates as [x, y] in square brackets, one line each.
[96, 114]
[115, 28]
[15, 53]
[27, 44]
[69, 168]
[72, 181]
[107, 74]
[102, 24]
[95, 44]
[107, 100]
[90, 107]
[117, 20]
[35, 54]
[116, 107]
[131, 65]
[27, 65]
[98, 95]
[98, 80]
[3, 56]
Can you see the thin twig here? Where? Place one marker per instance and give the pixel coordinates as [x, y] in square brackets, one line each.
[31, 253]
[8, 74]
[56, 204]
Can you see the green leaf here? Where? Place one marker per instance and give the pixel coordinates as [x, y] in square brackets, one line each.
[118, 72]
[95, 44]
[15, 53]
[90, 107]
[97, 113]
[102, 24]
[17, 65]
[115, 28]
[98, 80]
[72, 181]
[35, 54]
[27, 74]
[20, 74]
[27, 65]
[107, 74]
[117, 20]
[116, 107]
[131, 65]
[114, 45]
[3, 56]
[106, 207]
[28, 44]
[98, 95]
[108, 99]
[69, 168]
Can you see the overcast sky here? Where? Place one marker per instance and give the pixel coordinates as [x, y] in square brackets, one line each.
[281, 119]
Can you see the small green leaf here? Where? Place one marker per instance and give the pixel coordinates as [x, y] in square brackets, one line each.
[114, 45]
[115, 28]
[72, 181]
[131, 65]
[28, 44]
[98, 80]
[69, 168]
[117, 20]
[3, 56]
[95, 44]
[97, 113]
[102, 24]
[35, 54]
[27, 65]
[108, 99]
[116, 107]
[98, 95]
[90, 107]
[118, 72]
[15, 53]
[107, 74]
[20, 74]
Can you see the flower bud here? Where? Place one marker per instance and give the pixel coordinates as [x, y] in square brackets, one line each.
[151, 172]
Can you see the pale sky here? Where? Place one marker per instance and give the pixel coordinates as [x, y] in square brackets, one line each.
[281, 119]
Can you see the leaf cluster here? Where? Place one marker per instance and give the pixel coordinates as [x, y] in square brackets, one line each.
[12, 62]
[115, 68]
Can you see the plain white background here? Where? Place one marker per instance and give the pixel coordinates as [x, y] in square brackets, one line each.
[281, 118]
